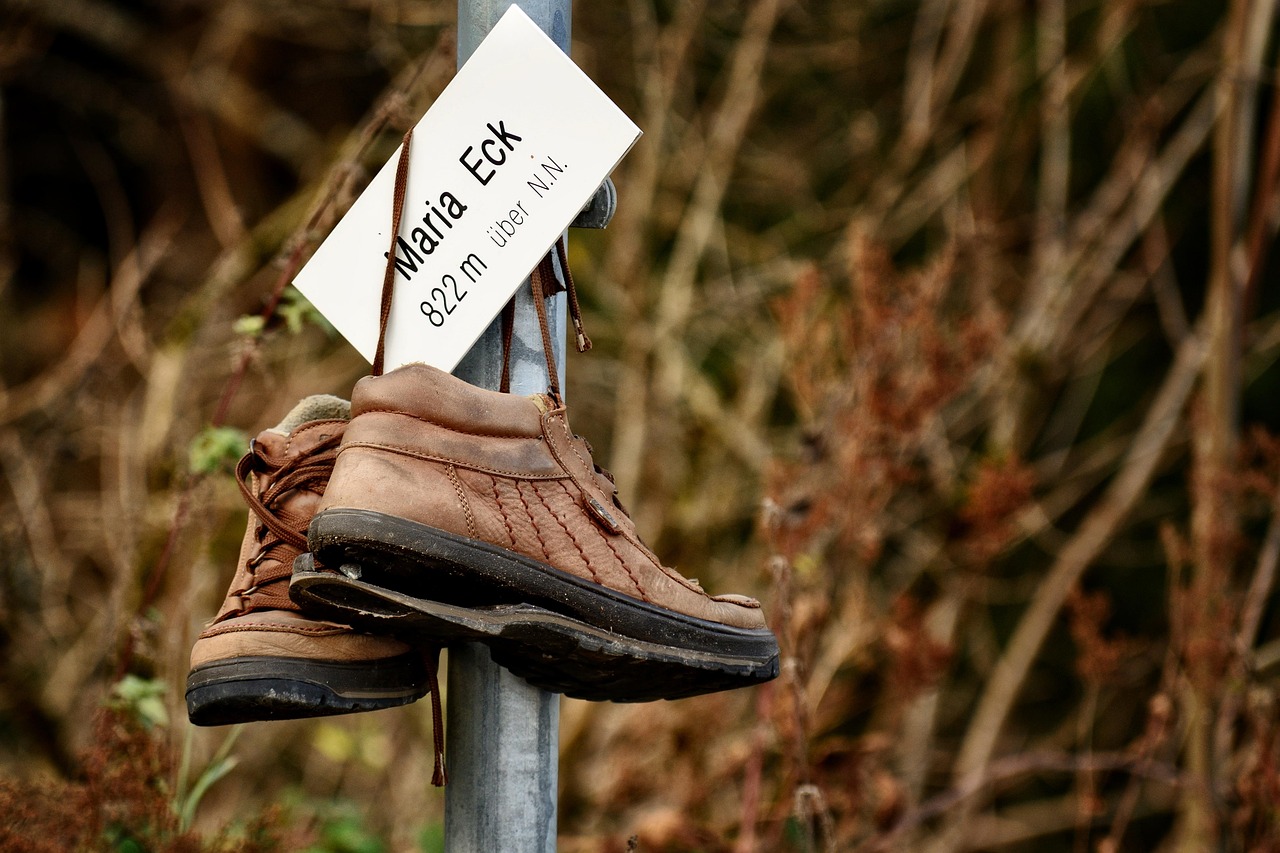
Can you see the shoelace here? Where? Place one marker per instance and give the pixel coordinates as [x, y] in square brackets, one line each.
[282, 535]
[311, 472]
[544, 283]
[430, 655]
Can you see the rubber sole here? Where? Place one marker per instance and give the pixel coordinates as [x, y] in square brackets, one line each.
[252, 689]
[555, 630]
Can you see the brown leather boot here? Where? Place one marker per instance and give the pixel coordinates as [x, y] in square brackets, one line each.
[262, 659]
[460, 514]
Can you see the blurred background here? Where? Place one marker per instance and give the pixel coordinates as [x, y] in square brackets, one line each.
[948, 328]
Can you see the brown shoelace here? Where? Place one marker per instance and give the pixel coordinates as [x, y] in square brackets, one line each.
[544, 283]
[543, 280]
[431, 654]
[282, 535]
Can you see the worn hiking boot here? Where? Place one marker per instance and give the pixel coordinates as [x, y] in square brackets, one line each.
[460, 514]
[260, 658]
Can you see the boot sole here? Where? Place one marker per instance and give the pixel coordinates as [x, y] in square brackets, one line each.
[557, 631]
[252, 689]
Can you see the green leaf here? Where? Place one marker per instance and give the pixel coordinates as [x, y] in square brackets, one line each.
[185, 803]
[216, 449]
[211, 774]
[144, 697]
[297, 311]
[349, 835]
[249, 324]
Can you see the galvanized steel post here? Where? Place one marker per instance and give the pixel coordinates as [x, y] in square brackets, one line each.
[503, 737]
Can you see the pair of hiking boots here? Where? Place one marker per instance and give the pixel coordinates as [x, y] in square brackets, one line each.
[428, 512]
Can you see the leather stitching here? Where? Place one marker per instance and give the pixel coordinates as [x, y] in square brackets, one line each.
[502, 511]
[445, 460]
[564, 424]
[462, 499]
[626, 533]
[467, 431]
[533, 522]
[323, 630]
[581, 553]
[608, 540]
[297, 433]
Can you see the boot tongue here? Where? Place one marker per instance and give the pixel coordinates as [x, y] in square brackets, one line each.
[273, 443]
[296, 435]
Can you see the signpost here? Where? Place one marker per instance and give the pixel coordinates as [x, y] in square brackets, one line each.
[511, 151]
[503, 735]
[502, 163]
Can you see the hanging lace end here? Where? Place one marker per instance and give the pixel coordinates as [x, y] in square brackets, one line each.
[584, 343]
[575, 309]
[439, 775]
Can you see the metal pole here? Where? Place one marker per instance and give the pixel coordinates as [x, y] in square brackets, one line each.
[503, 735]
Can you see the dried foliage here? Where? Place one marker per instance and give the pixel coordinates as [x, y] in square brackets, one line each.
[948, 327]
[119, 799]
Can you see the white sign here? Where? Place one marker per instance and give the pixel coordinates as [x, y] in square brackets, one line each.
[499, 166]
